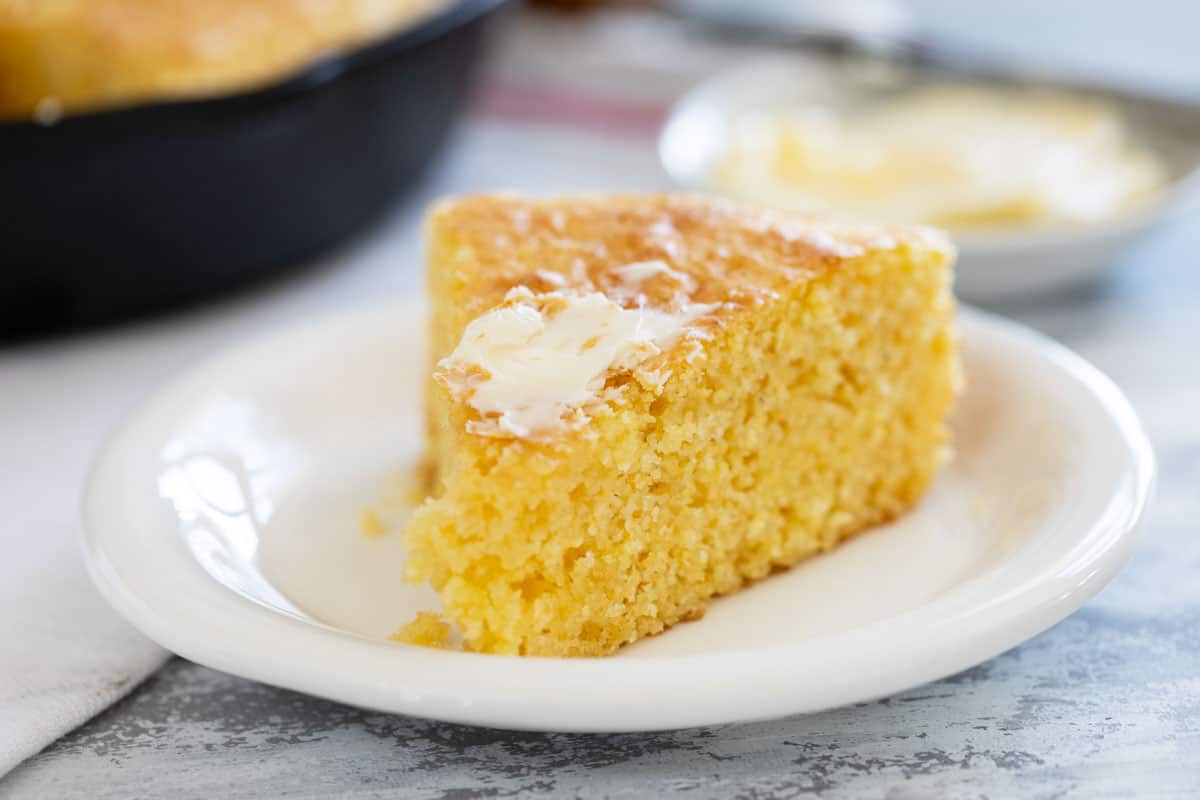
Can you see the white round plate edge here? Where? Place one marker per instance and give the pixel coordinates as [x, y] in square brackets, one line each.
[181, 607]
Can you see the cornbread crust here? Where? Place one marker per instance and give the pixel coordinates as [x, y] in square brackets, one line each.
[815, 407]
[64, 56]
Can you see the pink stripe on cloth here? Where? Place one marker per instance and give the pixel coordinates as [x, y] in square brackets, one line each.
[569, 108]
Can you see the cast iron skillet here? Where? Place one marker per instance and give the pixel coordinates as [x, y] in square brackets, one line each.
[122, 212]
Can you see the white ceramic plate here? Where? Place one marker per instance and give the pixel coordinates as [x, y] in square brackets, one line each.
[992, 266]
[222, 520]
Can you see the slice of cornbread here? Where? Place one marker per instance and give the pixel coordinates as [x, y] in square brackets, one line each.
[642, 402]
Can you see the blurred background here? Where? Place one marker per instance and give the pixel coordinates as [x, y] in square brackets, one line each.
[159, 154]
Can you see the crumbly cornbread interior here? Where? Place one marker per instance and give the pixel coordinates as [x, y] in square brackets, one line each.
[815, 408]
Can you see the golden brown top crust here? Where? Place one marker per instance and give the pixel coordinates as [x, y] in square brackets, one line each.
[72, 55]
[650, 248]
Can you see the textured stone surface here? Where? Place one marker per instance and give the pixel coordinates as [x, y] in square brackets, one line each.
[1104, 705]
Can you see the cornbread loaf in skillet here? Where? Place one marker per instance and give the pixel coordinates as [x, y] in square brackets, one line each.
[66, 56]
[643, 402]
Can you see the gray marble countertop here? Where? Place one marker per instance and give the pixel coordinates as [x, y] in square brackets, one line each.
[1104, 704]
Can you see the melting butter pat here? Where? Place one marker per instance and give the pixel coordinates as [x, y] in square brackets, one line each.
[528, 364]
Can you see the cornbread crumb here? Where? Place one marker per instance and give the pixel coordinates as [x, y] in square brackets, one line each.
[370, 524]
[807, 404]
[428, 629]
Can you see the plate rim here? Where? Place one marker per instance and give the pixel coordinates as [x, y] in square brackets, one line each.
[581, 695]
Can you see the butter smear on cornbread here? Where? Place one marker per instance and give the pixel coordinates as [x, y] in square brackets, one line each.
[642, 402]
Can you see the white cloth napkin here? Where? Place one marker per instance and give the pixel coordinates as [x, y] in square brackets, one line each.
[64, 654]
